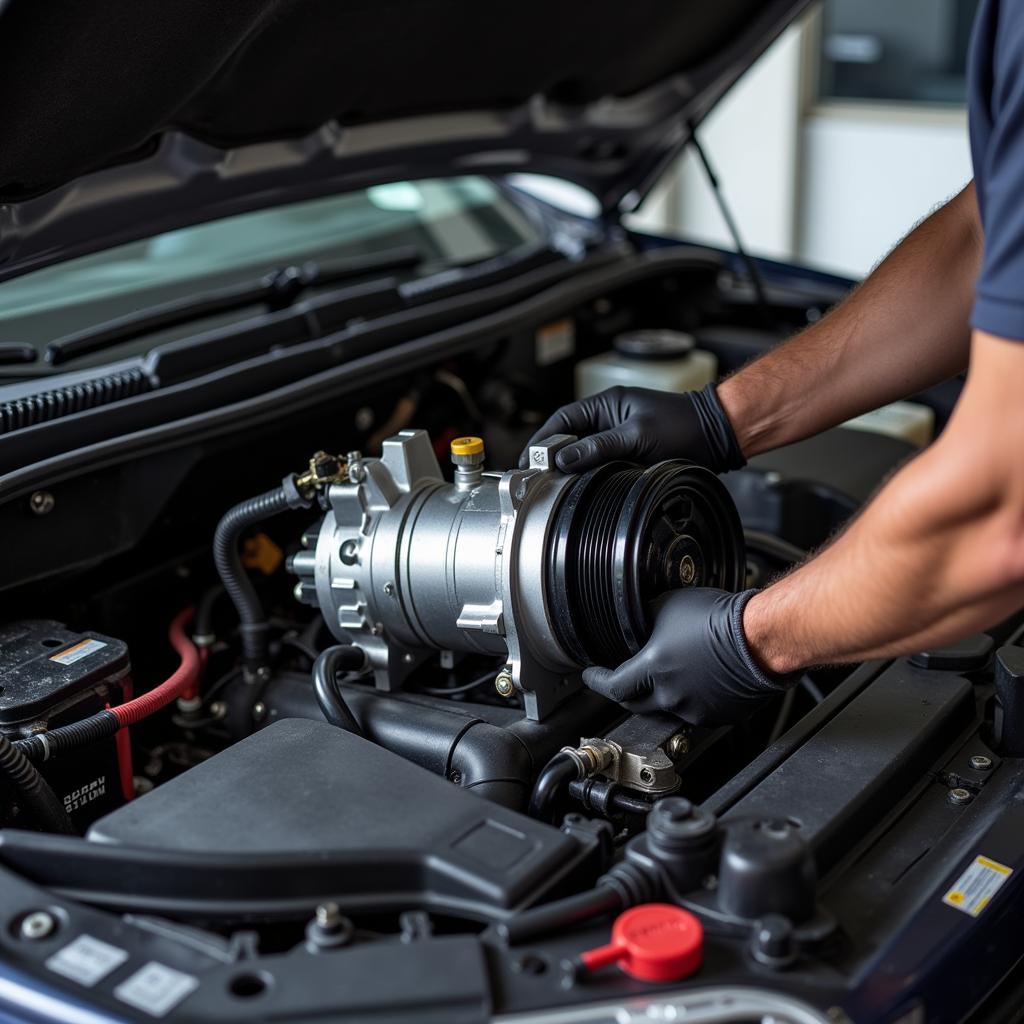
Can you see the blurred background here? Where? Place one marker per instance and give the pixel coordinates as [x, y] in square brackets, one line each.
[849, 129]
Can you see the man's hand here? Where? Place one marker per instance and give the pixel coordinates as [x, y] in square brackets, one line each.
[696, 664]
[644, 426]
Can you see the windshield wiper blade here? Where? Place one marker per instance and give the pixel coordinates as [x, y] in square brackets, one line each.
[275, 290]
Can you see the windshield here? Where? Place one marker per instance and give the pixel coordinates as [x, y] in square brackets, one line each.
[446, 221]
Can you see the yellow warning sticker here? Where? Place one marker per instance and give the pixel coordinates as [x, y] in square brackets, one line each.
[973, 890]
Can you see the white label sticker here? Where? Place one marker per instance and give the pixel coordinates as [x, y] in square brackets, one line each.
[86, 960]
[973, 890]
[555, 341]
[81, 650]
[156, 989]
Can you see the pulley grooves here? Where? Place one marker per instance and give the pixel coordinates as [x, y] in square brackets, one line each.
[624, 536]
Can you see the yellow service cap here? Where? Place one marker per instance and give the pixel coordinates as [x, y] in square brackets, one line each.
[467, 446]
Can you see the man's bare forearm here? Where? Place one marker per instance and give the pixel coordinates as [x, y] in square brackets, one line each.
[938, 554]
[904, 329]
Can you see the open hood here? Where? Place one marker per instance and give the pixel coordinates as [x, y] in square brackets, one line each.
[120, 118]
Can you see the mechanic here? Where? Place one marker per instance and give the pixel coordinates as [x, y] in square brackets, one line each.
[939, 552]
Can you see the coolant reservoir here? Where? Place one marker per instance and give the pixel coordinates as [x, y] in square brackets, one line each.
[907, 421]
[663, 360]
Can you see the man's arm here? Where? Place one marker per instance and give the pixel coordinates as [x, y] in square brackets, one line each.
[903, 330]
[938, 553]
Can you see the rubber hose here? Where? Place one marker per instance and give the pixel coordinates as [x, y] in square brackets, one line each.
[561, 914]
[43, 746]
[341, 657]
[202, 627]
[551, 786]
[226, 556]
[35, 795]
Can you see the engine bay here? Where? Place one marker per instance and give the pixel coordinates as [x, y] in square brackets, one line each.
[304, 727]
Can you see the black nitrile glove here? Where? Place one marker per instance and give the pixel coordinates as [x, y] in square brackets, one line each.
[696, 664]
[646, 426]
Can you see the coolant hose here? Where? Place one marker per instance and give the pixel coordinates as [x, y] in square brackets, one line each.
[252, 620]
[36, 797]
[552, 786]
[340, 658]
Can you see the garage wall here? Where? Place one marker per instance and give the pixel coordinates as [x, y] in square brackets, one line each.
[869, 175]
[834, 186]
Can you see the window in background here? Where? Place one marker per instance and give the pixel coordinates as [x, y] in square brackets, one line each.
[910, 51]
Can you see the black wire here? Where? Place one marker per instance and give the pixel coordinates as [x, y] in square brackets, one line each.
[756, 280]
[452, 691]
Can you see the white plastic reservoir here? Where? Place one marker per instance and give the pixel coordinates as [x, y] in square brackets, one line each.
[660, 359]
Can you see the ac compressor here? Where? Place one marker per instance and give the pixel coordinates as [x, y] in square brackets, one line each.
[554, 571]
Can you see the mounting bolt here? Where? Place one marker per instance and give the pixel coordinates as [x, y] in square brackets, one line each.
[980, 763]
[678, 745]
[328, 916]
[646, 776]
[503, 682]
[40, 924]
[959, 795]
[389, 588]
[329, 929]
[41, 503]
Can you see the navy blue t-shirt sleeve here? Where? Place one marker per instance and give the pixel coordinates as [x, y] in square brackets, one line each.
[997, 140]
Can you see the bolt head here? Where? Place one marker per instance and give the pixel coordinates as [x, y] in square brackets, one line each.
[38, 925]
[678, 745]
[959, 795]
[503, 683]
[41, 503]
[389, 588]
[646, 775]
[328, 916]
[981, 763]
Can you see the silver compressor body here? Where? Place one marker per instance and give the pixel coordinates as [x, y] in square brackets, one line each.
[405, 564]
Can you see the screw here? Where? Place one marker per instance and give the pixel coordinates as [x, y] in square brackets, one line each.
[503, 682]
[981, 763]
[959, 795]
[259, 711]
[678, 745]
[646, 776]
[38, 925]
[687, 570]
[328, 917]
[218, 709]
[389, 588]
[41, 503]
[455, 777]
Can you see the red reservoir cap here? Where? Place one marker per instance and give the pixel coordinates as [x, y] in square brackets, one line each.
[652, 942]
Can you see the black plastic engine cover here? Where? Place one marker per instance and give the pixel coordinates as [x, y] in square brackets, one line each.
[372, 822]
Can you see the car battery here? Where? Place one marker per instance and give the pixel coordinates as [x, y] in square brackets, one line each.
[51, 676]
